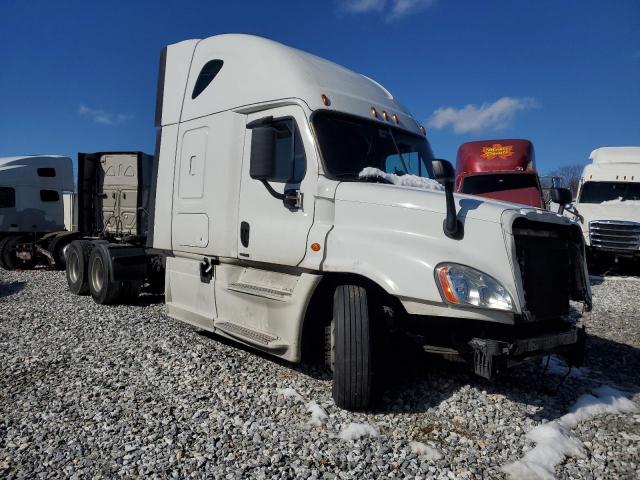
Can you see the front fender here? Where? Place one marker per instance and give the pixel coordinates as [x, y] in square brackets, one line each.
[398, 248]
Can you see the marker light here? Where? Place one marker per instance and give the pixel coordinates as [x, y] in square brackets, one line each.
[422, 130]
[385, 116]
[315, 247]
[395, 118]
[374, 112]
[325, 100]
[465, 286]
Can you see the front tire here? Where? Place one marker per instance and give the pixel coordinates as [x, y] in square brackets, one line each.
[351, 349]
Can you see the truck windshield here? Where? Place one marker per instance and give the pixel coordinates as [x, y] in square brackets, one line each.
[497, 182]
[349, 144]
[598, 192]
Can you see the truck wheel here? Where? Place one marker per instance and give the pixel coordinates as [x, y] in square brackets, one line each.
[56, 247]
[8, 253]
[3, 242]
[76, 266]
[351, 348]
[103, 290]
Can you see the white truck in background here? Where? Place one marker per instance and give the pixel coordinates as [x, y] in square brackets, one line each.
[32, 210]
[608, 203]
[289, 215]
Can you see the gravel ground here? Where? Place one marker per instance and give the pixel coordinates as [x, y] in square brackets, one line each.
[126, 391]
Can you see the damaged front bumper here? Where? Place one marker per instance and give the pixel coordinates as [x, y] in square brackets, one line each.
[491, 356]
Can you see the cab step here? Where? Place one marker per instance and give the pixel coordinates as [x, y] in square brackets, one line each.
[260, 291]
[249, 335]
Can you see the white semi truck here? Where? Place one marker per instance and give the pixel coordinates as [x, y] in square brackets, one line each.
[289, 213]
[32, 211]
[608, 204]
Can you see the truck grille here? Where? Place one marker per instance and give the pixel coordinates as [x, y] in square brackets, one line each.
[615, 235]
[543, 257]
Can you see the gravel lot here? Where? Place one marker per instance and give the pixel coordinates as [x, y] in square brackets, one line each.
[126, 391]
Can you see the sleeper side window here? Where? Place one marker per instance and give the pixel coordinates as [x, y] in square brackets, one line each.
[7, 197]
[46, 172]
[291, 162]
[206, 76]
[49, 196]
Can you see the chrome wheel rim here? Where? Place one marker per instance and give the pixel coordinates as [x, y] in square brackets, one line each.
[74, 267]
[97, 271]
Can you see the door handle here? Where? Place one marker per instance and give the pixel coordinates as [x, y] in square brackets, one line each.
[244, 234]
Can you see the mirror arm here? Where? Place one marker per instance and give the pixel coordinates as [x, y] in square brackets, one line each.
[452, 227]
[279, 196]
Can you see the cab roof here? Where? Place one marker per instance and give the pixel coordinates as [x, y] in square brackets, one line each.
[256, 70]
[500, 155]
[615, 155]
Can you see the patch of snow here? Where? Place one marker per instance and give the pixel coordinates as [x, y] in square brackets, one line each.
[288, 392]
[555, 441]
[402, 180]
[425, 451]
[353, 431]
[621, 201]
[557, 366]
[318, 414]
[606, 400]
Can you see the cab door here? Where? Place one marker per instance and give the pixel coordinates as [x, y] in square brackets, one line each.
[275, 215]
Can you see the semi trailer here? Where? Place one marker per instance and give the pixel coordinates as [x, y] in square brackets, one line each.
[275, 222]
[608, 207]
[109, 205]
[32, 211]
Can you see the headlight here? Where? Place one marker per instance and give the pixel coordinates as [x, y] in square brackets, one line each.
[466, 286]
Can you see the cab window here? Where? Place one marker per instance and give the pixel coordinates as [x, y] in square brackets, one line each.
[49, 196]
[7, 197]
[408, 163]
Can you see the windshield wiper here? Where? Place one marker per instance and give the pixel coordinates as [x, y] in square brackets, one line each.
[347, 175]
[357, 178]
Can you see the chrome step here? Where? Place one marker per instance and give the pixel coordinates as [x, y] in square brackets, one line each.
[256, 337]
[260, 291]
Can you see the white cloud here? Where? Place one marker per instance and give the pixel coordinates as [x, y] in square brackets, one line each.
[400, 8]
[363, 6]
[103, 117]
[392, 9]
[488, 116]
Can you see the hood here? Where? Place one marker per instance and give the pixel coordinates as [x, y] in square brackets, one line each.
[612, 211]
[468, 206]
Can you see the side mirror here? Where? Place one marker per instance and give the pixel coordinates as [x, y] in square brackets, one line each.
[444, 173]
[263, 153]
[561, 196]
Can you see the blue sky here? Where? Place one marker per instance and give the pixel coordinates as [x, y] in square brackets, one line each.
[81, 75]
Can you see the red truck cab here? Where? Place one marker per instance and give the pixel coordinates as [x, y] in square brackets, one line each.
[499, 169]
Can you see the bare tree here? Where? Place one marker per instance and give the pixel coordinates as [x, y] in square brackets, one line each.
[570, 175]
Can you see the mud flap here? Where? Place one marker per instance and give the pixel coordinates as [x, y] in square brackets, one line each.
[488, 356]
[576, 354]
